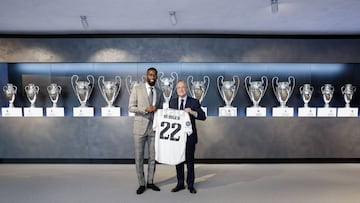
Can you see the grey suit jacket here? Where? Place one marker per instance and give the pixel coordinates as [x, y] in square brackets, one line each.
[137, 104]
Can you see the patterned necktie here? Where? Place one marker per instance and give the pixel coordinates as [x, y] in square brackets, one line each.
[182, 104]
[151, 96]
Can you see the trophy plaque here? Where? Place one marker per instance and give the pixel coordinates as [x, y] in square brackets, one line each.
[32, 91]
[130, 83]
[110, 90]
[10, 93]
[167, 85]
[347, 91]
[283, 91]
[306, 91]
[198, 89]
[54, 91]
[256, 90]
[327, 91]
[82, 90]
[228, 90]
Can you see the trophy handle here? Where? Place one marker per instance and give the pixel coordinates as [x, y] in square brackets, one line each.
[128, 81]
[91, 80]
[161, 75]
[15, 88]
[174, 75]
[5, 88]
[118, 81]
[265, 80]
[237, 86]
[311, 88]
[322, 89]
[291, 80]
[301, 89]
[206, 78]
[59, 88]
[222, 81]
[342, 89]
[37, 89]
[247, 83]
[354, 88]
[273, 81]
[100, 84]
[73, 82]
[190, 81]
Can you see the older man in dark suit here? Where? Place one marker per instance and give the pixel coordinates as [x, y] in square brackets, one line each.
[193, 107]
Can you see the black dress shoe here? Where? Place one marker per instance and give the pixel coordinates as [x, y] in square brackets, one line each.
[140, 190]
[153, 187]
[178, 188]
[192, 190]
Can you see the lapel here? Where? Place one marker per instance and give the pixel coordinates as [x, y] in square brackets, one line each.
[144, 92]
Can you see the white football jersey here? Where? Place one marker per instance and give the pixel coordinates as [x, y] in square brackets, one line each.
[172, 127]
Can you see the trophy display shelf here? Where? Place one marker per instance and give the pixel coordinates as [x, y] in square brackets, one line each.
[83, 111]
[110, 111]
[33, 112]
[255, 112]
[283, 112]
[227, 111]
[11, 112]
[347, 112]
[306, 112]
[326, 112]
[55, 112]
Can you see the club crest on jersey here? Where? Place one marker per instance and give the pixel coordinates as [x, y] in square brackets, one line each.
[188, 123]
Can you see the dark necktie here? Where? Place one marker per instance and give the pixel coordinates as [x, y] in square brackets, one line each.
[151, 96]
[182, 104]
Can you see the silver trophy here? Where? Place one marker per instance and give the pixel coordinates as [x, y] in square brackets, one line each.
[167, 85]
[109, 89]
[198, 89]
[130, 83]
[283, 90]
[327, 91]
[306, 92]
[348, 91]
[256, 89]
[54, 91]
[82, 89]
[31, 91]
[10, 92]
[228, 89]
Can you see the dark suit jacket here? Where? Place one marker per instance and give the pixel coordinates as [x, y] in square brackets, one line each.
[195, 106]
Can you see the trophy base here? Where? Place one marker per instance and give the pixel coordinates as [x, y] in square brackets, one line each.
[227, 111]
[83, 111]
[205, 110]
[55, 111]
[326, 112]
[255, 112]
[348, 112]
[282, 111]
[33, 112]
[131, 114]
[110, 111]
[11, 112]
[306, 112]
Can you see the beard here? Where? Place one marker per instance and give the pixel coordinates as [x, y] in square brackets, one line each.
[151, 82]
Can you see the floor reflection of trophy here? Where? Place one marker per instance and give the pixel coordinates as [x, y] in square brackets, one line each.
[327, 91]
[228, 90]
[198, 89]
[31, 93]
[283, 90]
[82, 89]
[256, 89]
[167, 86]
[54, 91]
[348, 91]
[306, 93]
[109, 89]
[10, 92]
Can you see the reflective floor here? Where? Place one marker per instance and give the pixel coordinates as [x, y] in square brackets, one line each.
[52, 183]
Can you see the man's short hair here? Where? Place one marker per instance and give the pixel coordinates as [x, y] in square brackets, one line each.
[152, 68]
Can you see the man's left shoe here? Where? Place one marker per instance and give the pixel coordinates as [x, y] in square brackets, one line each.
[192, 190]
[153, 187]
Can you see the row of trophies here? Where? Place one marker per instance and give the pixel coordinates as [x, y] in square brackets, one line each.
[227, 89]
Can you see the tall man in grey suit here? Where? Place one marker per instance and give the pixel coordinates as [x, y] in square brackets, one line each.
[145, 99]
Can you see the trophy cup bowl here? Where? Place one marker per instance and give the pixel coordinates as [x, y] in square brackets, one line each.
[283, 90]
[109, 89]
[327, 91]
[198, 89]
[130, 83]
[82, 89]
[10, 92]
[256, 89]
[167, 85]
[348, 91]
[228, 89]
[306, 93]
[54, 91]
[31, 92]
